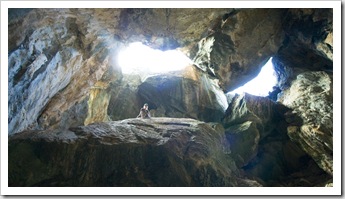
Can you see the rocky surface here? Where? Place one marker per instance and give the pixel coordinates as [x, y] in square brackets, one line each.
[54, 59]
[57, 56]
[310, 121]
[63, 73]
[304, 65]
[125, 101]
[188, 93]
[168, 28]
[236, 49]
[133, 152]
[247, 121]
[258, 131]
[311, 29]
[306, 31]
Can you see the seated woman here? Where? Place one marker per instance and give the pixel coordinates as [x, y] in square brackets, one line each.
[144, 112]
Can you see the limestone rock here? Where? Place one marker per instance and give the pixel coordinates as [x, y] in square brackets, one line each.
[311, 28]
[261, 110]
[240, 45]
[53, 61]
[133, 152]
[125, 101]
[257, 131]
[188, 93]
[248, 120]
[63, 72]
[166, 28]
[308, 45]
[311, 98]
[244, 141]
[57, 55]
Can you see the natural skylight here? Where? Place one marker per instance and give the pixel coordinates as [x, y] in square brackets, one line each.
[262, 84]
[137, 58]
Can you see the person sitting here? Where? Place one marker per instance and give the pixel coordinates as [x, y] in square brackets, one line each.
[144, 112]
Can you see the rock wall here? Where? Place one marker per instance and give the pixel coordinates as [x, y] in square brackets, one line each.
[304, 65]
[310, 97]
[240, 44]
[258, 133]
[56, 56]
[248, 120]
[189, 93]
[63, 72]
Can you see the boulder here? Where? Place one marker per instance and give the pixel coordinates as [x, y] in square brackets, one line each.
[160, 152]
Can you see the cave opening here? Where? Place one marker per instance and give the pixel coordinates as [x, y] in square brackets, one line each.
[262, 84]
[138, 58]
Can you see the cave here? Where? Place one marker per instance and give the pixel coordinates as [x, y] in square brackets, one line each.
[72, 110]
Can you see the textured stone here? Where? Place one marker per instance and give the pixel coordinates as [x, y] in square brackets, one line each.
[167, 28]
[53, 61]
[248, 120]
[63, 73]
[244, 140]
[236, 49]
[257, 131]
[261, 110]
[124, 101]
[133, 152]
[98, 103]
[57, 55]
[311, 28]
[188, 93]
[311, 99]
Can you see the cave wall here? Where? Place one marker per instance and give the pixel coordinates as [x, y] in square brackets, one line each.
[304, 64]
[56, 56]
[240, 44]
[263, 145]
[186, 94]
[63, 73]
[63, 53]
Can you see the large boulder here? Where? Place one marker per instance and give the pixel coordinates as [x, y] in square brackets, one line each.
[132, 152]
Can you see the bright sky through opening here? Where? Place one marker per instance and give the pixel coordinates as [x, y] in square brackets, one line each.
[137, 58]
[262, 84]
